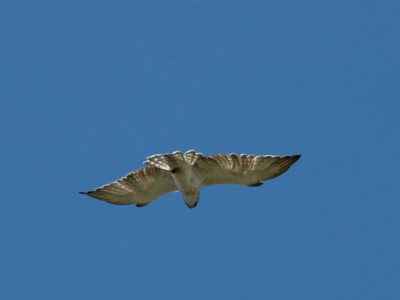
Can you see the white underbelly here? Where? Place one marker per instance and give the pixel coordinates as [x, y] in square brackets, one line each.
[186, 181]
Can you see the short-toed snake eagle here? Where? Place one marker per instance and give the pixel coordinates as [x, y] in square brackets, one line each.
[188, 173]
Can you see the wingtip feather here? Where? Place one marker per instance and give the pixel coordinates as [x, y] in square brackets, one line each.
[297, 156]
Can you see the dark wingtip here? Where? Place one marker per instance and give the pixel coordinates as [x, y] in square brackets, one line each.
[84, 193]
[297, 156]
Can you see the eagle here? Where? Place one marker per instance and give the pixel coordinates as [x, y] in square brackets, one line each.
[188, 173]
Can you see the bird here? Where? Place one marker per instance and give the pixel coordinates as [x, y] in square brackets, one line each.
[188, 173]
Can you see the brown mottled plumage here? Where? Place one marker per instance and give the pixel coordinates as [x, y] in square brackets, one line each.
[188, 173]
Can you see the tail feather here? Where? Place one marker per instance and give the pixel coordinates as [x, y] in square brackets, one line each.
[159, 161]
[170, 161]
[192, 156]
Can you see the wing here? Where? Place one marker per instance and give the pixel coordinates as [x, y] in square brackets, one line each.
[141, 187]
[241, 169]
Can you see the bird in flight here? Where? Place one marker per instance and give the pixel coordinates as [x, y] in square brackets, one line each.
[189, 172]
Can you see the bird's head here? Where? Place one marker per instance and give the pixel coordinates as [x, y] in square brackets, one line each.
[191, 198]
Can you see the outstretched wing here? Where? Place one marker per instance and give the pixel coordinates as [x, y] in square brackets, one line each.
[241, 169]
[141, 187]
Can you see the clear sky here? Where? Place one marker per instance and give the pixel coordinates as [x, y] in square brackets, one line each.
[89, 89]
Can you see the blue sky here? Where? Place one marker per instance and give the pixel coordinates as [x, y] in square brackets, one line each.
[89, 89]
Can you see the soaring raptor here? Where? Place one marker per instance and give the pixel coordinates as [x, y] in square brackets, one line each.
[188, 173]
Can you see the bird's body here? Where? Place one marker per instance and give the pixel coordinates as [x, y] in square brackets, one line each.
[188, 173]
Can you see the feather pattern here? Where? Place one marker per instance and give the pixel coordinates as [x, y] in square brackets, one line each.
[141, 187]
[189, 172]
[241, 169]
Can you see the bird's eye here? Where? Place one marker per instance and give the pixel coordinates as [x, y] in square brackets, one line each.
[174, 170]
